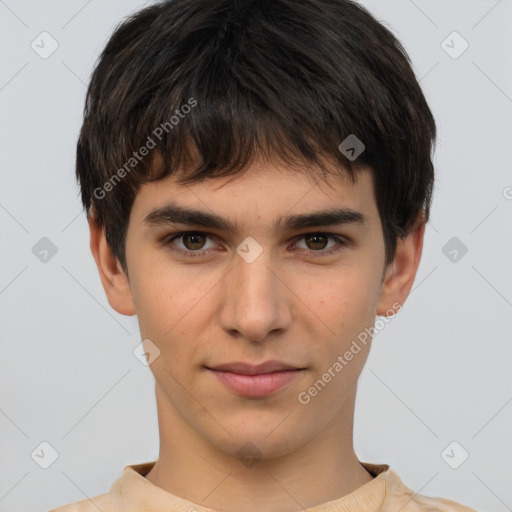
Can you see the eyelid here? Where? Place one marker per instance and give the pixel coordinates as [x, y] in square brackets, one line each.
[167, 240]
[342, 242]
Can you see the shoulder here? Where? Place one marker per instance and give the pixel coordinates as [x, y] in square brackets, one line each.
[439, 504]
[399, 494]
[102, 502]
[130, 483]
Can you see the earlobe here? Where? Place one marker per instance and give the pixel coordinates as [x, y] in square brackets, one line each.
[400, 274]
[114, 281]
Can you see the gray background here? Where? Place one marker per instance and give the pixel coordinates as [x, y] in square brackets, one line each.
[439, 372]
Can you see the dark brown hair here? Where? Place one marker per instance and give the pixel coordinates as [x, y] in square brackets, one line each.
[206, 85]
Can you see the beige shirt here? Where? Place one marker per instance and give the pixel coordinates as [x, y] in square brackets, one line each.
[385, 493]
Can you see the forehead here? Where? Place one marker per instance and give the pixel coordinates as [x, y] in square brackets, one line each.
[262, 191]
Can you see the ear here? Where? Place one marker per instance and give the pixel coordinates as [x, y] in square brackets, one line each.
[401, 272]
[113, 279]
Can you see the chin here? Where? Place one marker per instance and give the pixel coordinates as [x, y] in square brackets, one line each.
[257, 442]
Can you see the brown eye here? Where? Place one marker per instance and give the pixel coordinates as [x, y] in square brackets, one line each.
[316, 241]
[194, 241]
[317, 244]
[191, 244]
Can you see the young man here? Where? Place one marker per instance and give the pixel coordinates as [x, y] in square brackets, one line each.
[257, 177]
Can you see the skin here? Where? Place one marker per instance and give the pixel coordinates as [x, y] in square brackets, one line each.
[287, 305]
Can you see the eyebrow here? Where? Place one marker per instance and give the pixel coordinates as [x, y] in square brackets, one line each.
[173, 213]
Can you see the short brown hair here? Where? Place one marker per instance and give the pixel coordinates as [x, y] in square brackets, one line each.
[225, 80]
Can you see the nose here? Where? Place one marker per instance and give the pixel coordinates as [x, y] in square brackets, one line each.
[256, 299]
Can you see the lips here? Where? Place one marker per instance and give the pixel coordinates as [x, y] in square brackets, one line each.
[256, 380]
[255, 369]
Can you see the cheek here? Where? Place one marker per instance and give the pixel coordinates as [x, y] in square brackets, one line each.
[174, 310]
[163, 294]
[345, 298]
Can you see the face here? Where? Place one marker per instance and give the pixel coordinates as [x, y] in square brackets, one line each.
[255, 289]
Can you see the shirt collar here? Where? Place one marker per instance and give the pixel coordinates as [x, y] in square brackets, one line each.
[132, 493]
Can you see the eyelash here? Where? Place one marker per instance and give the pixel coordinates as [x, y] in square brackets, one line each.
[195, 254]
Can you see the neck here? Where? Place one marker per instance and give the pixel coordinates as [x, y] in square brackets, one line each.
[322, 469]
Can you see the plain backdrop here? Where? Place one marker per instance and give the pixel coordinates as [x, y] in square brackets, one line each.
[437, 388]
